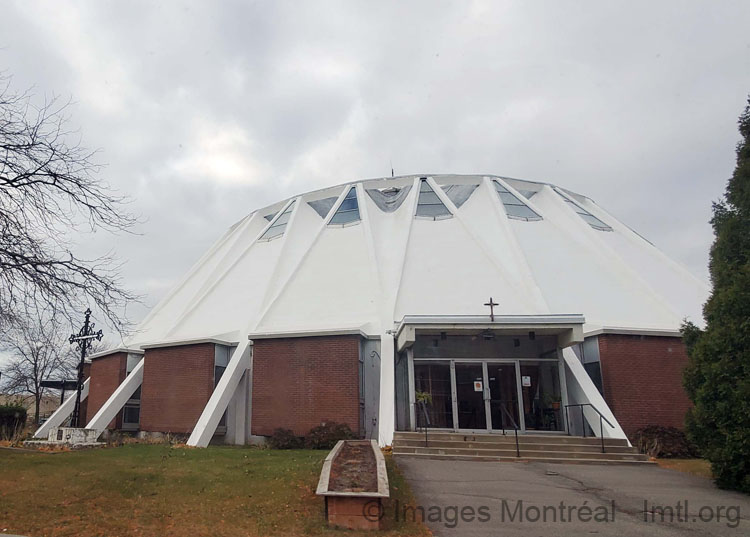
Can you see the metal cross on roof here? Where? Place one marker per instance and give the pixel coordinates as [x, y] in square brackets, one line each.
[84, 339]
[492, 305]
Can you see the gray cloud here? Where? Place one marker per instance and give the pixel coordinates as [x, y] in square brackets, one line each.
[206, 113]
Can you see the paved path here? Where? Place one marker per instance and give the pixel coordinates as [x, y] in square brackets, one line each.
[470, 498]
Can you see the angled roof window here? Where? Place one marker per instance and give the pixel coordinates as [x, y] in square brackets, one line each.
[348, 211]
[271, 216]
[323, 206]
[279, 224]
[514, 207]
[590, 219]
[429, 204]
[458, 194]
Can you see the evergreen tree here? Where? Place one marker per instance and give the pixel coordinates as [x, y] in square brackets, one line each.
[717, 378]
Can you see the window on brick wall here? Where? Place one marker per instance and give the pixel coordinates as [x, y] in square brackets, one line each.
[218, 373]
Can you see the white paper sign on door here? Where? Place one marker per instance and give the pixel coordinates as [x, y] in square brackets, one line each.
[526, 381]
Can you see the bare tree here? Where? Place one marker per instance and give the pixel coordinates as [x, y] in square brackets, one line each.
[48, 189]
[38, 351]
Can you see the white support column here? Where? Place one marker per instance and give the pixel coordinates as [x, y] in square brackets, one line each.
[62, 413]
[582, 390]
[237, 414]
[239, 363]
[386, 413]
[117, 400]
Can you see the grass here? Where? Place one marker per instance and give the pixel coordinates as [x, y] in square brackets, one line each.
[161, 490]
[699, 467]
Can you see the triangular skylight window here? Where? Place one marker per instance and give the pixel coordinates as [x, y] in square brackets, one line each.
[589, 218]
[458, 194]
[514, 207]
[429, 204]
[279, 225]
[323, 207]
[348, 211]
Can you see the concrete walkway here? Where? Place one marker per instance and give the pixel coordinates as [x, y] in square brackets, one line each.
[470, 498]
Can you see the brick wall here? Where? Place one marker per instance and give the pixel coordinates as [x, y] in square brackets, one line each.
[177, 383]
[642, 379]
[300, 382]
[106, 374]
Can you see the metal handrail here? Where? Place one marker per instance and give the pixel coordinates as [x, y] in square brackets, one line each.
[515, 427]
[423, 406]
[583, 420]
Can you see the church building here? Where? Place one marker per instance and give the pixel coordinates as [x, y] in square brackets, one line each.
[458, 303]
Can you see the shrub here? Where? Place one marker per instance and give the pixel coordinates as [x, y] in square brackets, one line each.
[12, 420]
[664, 442]
[285, 439]
[325, 435]
[717, 377]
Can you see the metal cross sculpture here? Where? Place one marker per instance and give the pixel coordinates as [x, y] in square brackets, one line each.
[84, 338]
[492, 305]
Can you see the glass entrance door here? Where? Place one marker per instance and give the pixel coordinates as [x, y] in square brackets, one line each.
[488, 395]
[470, 401]
[502, 381]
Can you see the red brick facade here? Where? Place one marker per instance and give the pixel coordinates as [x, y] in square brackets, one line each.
[106, 374]
[642, 379]
[300, 382]
[177, 383]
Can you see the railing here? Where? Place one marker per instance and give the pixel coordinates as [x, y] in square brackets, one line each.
[423, 407]
[602, 419]
[515, 428]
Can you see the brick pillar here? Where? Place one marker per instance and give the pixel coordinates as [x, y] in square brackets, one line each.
[177, 383]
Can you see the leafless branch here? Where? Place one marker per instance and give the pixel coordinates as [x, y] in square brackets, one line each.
[49, 187]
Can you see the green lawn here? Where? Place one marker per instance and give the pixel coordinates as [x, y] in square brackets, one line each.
[161, 490]
[699, 467]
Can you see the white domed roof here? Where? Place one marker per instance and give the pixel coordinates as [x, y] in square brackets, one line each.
[361, 256]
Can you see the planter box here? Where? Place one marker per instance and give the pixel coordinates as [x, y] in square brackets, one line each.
[354, 482]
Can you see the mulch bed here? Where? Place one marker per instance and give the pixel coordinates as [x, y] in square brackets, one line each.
[354, 469]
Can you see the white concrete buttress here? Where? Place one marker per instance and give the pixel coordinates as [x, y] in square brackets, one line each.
[387, 411]
[63, 412]
[239, 363]
[117, 400]
[582, 390]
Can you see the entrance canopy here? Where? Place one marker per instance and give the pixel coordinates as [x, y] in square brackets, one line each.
[568, 328]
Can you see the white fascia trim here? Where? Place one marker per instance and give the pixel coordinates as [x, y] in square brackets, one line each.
[500, 320]
[102, 354]
[633, 332]
[182, 342]
[311, 333]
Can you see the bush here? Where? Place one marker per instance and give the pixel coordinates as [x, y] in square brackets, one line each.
[325, 435]
[12, 420]
[285, 439]
[664, 442]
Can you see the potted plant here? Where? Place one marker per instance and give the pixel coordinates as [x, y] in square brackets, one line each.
[552, 401]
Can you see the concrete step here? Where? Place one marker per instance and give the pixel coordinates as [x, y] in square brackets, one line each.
[509, 437]
[524, 446]
[566, 460]
[494, 452]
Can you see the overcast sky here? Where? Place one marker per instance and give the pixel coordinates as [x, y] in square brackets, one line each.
[204, 114]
